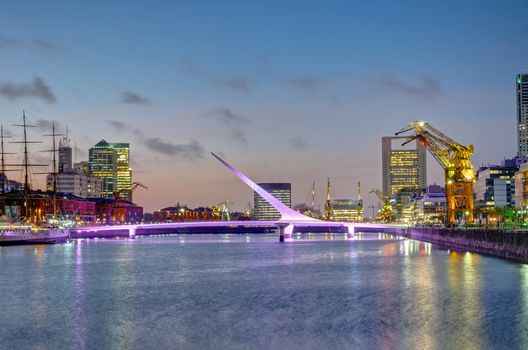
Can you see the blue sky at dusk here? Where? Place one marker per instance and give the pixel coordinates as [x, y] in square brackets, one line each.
[286, 90]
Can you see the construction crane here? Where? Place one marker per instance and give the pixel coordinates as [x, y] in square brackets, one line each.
[118, 205]
[248, 212]
[455, 159]
[136, 185]
[222, 211]
[122, 195]
[329, 209]
[386, 214]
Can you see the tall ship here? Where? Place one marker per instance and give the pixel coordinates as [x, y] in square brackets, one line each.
[22, 220]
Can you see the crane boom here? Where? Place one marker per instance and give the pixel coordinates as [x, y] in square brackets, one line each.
[455, 158]
[378, 194]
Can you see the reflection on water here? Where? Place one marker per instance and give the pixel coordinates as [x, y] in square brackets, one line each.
[523, 321]
[249, 291]
[79, 303]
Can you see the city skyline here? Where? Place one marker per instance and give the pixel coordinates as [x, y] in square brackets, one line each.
[174, 88]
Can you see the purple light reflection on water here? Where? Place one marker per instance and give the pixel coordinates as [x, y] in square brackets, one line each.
[319, 291]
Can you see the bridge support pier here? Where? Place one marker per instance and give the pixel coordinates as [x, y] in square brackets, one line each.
[351, 231]
[286, 231]
[132, 232]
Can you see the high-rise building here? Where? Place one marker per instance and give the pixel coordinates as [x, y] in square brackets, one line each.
[111, 163]
[123, 183]
[522, 114]
[262, 209]
[494, 186]
[404, 168]
[102, 160]
[65, 157]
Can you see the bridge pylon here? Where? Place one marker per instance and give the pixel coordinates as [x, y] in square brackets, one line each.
[286, 231]
[351, 230]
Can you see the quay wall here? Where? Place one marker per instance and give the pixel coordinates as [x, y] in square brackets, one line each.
[509, 244]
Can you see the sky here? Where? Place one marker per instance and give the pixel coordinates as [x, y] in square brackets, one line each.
[287, 91]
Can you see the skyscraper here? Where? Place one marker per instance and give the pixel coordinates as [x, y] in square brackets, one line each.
[262, 209]
[102, 161]
[111, 163]
[123, 183]
[403, 167]
[65, 156]
[522, 114]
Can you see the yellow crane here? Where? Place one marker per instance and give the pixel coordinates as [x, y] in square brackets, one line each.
[221, 211]
[455, 158]
[329, 209]
[386, 214]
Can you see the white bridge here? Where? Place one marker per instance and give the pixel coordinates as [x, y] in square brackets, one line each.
[289, 221]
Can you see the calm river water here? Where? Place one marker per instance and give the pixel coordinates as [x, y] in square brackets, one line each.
[250, 291]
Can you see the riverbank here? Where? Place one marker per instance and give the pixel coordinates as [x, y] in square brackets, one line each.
[506, 244]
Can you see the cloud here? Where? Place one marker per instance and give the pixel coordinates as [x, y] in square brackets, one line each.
[8, 42]
[239, 135]
[45, 45]
[424, 87]
[134, 98]
[119, 126]
[306, 83]
[38, 45]
[191, 151]
[122, 127]
[36, 89]
[299, 143]
[227, 116]
[233, 121]
[43, 124]
[241, 84]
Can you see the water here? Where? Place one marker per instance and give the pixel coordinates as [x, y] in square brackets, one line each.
[249, 291]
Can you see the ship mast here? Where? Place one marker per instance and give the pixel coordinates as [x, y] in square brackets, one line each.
[26, 164]
[3, 165]
[54, 173]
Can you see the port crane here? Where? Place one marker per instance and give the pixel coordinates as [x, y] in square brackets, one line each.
[386, 213]
[329, 208]
[455, 158]
[221, 210]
